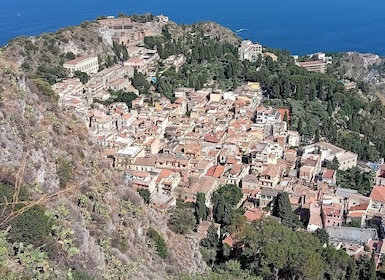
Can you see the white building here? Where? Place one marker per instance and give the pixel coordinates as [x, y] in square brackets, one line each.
[328, 151]
[88, 64]
[250, 51]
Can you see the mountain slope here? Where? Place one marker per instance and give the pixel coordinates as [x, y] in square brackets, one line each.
[99, 225]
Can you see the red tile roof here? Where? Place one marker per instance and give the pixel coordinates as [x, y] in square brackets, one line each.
[378, 193]
[211, 171]
[329, 174]
[219, 171]
[254, 214]
[361, 207]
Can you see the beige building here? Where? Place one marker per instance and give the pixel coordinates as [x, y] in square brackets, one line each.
[88, 64]
[314, 66]
[126, 157]
[328, 151]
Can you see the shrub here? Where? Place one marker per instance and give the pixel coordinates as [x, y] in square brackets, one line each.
[45, 89]
[161, 247]
[145, 194]
[64, 171]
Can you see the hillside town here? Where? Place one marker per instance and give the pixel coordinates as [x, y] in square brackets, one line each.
[209, 137]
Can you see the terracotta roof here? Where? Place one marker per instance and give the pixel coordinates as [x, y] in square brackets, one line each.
[229, 240]
[361, 207]
[378, 193]
[246, 191]
[310, 162]
[236, 169]
[163, 174]
[145, 161]
[271, 170]
[329, 174]
[332, 210]
[356, 214]
[282, 111]
[254, 214]
[79, 59]
[126, 116]
[140, 174]
[211, 171]
[219, 171]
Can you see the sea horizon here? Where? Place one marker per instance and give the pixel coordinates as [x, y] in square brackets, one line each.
[302, 27]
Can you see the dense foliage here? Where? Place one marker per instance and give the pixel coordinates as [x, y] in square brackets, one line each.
[225, 199]
[201, 211]
[31, 226]
[119, 96]
[282, 209]
[270, 250]
[82, 76]
[355, 179]
[160, 244]
[182, 219]
[145, 194]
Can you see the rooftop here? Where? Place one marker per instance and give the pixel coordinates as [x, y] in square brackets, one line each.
[80, 59]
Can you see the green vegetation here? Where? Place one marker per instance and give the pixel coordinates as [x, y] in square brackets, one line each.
[31, 226]
[119, 96]
[120, 51]
[160, 244]
[182, 219]
[210, 245]
[64, 171]
[334, 164]
[225, 199]
[201, 211]
[209, 60]
[51, 73]
[139, 81]
[322, 236]
[145, 194]
[142, 18]
[45, 89]
[355, 179]
[269, 250]
[282, 209]
[83, 77]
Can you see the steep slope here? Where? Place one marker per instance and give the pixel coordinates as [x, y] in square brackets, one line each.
[99, 225]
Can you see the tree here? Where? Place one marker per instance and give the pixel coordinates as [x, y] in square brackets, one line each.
[182, 219]
[322, 236]
[366, 268]
[31, 227]
[282, 209]
[139, 81]
[210, 245]
[201, 210]
[316, 135]
[334, 164]
[145, 194]
[160, 244]
[231, 194]
[82, 76]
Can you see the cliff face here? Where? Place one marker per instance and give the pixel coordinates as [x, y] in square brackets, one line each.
[99, 224]
[359, 66]
[51, 48]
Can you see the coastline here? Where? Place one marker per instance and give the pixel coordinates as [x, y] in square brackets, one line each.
[304, 32]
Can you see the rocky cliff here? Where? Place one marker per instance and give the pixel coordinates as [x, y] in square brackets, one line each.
[99, 225]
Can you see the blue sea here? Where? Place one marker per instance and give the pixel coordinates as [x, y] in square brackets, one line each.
[300, 26]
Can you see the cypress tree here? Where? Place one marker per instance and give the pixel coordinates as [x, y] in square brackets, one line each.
[200, 207]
